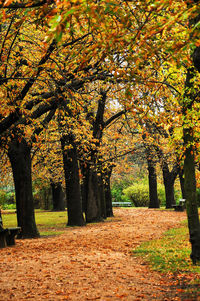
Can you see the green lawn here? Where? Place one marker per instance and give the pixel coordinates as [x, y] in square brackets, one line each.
[48, 223]
[171, 253]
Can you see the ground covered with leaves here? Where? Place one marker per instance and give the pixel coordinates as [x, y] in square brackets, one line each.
[95, 262]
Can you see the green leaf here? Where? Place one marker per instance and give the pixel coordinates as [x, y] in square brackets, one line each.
[59, 36]
[69, 12]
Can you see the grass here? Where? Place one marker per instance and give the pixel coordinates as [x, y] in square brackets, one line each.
[48, 223]
[171, 253]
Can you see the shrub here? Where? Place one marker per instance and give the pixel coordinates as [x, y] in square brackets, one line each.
[9, 206]
[117, 191]
[161, 195]
[3, 197]
[139, 194]
[42, 195]
[6, 198]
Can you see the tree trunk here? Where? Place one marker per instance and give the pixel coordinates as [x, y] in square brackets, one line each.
[20, 158]
[108, 196]
[46, 198]
[182, 184]
[189, 162]
[84, 185]
[93, 201]
[189, 172]
[58, 197]
[91, 194]
[169, 179]
[73, 191]
[191, 200]
[153, 194]
[102, 196]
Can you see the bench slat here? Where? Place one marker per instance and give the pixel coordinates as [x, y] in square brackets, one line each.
[122, 204]
[10, 238]
[180, 206]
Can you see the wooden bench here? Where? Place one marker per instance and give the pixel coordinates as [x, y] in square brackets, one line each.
[121, 204]
[7, 236]
[3, 234]
[10, 237]
[180, 206]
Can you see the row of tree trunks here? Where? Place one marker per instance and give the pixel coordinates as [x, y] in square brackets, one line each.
[90, 197]
[96, 192]
[168, 179]
[95, 199]
[97, 195]
[96, 209]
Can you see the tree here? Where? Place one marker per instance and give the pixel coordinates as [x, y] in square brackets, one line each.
[188, 106]
[136, 44]
[189, 161]
[19, 153]
[73, 189]
[19, 111]
[153, 193]
[20, 158]
[95, 172]
[58, 196]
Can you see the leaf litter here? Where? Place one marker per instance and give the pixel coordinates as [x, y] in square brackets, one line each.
[90, 263]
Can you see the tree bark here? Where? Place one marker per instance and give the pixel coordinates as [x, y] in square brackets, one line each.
[93, 200]
[73, 191]
[189, 161]
[153, 193]
[19, 153]
[93, 190]
[102, 196]
[189, 172]
[46, 198]
[182, 184]
[58, 197]
[169, 179]
[108, 196]
[191, 199]
[84, 186]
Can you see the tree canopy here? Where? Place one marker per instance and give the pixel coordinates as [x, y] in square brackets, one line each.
[85, 82]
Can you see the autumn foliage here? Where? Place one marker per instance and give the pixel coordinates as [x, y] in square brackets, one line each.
[85, 83]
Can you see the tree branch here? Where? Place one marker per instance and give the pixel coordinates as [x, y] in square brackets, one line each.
[43, 124]
[112, 118]
[33, 4]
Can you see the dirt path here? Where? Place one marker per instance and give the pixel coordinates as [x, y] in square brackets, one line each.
[89, 263]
